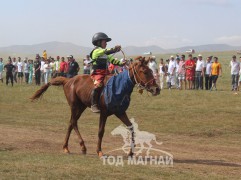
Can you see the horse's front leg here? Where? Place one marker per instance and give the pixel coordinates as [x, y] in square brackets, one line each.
[101, 132]
[123, 117]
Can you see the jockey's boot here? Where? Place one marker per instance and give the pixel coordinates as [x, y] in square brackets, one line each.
[94, 100]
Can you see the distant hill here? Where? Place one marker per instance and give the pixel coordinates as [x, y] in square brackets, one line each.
[53, 48]
[65, 48]
[207, 48]
[134, 50]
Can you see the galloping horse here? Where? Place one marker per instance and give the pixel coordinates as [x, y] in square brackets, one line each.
[77, 91]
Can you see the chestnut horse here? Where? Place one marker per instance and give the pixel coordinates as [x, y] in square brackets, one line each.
[77, 91]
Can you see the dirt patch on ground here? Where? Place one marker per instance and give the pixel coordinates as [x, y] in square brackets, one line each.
[192, 155]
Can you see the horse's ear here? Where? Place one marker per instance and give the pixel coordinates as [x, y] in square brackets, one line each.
[147, 61]
[138, 58]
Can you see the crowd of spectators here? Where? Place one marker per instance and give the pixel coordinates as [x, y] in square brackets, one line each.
[40, 70]
[193, 72]
[176, 72]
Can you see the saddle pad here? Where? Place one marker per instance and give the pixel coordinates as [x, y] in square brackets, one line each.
[117, 92]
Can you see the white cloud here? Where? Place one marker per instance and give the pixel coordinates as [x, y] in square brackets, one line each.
[168, 41]
[232, 40]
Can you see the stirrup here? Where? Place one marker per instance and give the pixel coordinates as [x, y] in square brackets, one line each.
[95, 109]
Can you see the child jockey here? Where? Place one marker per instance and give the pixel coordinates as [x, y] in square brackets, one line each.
[100, 57]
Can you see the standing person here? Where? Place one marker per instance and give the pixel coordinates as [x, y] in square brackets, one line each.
[190, 69]
[199, 73]
[42, 69]
[26, 70]
[239, 74]
[63, 67]
[181, 72]
[162, 72]
[171, 72]
[15, 73]
[101, 56]
[153, 66]
[20, 70]
[235, 67]
[52, 65]
[194, 77]
[87, 65]
[37, 66]
[73, 67]
[176, 71]
[9, 67]
[46, 71]
[167, 76]
[216, 70]
[30, 71]
[1, 69]
[208, 79]
[44, 55]
[57, 63]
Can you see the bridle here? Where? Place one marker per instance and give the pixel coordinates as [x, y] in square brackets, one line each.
[146, 85]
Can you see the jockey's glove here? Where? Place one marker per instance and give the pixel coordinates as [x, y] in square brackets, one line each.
[117, 48]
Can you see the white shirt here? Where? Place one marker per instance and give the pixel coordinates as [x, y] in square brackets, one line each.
[42, 66]
[51, 65]
[208, 68]
[25, 67]
[177, 66]
[87, 65]
[235, 67]
[15, 65]
[46, 68]
[171, 67]
[153, 66]
[20, 66]
[160, 67]
[200, 65]
[57, 65]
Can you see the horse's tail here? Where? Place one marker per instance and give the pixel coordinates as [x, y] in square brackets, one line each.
[58, 81]
[158, 143]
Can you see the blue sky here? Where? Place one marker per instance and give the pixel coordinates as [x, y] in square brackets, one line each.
[166, 23]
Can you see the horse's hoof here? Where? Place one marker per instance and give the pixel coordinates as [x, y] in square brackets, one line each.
[66, 151]
[100, 154]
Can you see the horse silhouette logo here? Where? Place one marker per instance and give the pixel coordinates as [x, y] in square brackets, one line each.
[142, 139]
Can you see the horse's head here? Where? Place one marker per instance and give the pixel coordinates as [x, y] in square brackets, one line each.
[143, 76]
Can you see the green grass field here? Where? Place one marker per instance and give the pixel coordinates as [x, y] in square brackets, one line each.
[201, 129]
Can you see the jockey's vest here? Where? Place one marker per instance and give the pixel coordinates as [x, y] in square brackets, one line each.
[100, 62]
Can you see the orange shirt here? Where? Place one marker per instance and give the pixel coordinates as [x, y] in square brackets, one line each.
[216, 68]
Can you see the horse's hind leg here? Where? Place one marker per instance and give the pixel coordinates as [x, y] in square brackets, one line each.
[66, 141]
[101, 132]
[75, 115]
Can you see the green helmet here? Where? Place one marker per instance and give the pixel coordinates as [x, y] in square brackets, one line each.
[99, 36]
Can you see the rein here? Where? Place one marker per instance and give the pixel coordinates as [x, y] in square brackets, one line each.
[135, 73]
[139, 85]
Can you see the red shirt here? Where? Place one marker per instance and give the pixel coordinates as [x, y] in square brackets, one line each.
[63, 66]
[191, 63]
